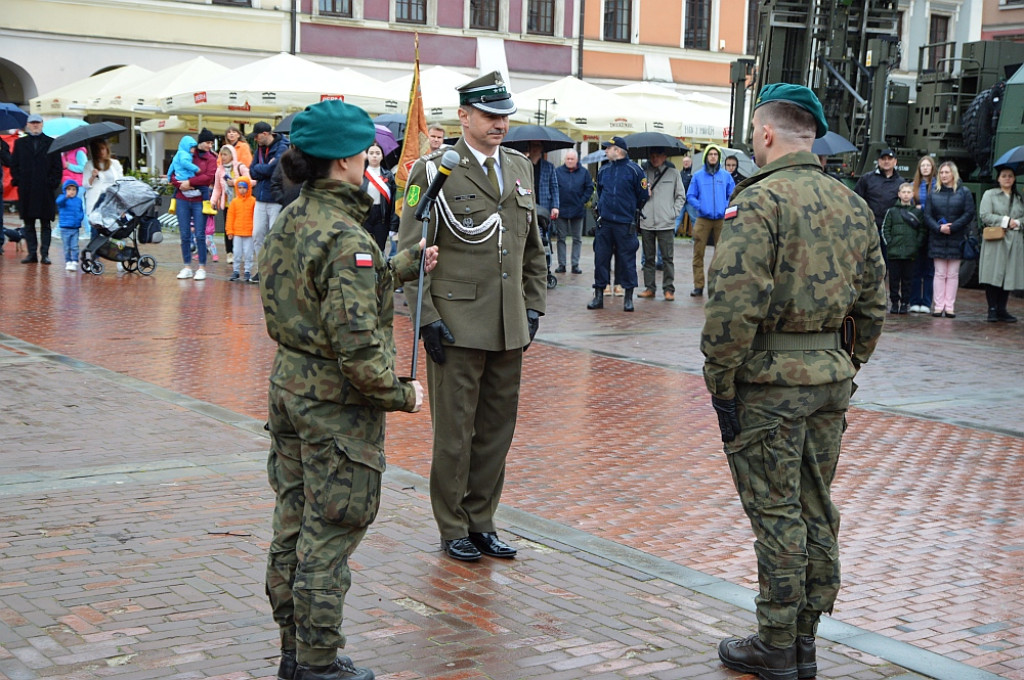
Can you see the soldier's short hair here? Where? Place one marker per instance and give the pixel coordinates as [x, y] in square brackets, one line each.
[788, 118]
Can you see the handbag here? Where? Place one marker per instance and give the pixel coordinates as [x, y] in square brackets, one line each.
[970, 249]
[992, 233]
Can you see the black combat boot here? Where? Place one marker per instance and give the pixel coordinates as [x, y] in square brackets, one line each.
[289, 666]
[627, 300]
[806, 657]
[598, 301]
[341, 669]
[993, 314]
[750, 655]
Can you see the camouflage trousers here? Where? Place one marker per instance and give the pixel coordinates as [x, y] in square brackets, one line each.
[325, 503]
[783, 464]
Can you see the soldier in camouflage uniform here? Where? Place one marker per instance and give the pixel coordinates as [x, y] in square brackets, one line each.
[799, 254]
[328, 299]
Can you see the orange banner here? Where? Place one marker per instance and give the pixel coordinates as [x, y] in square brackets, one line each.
[415, 143]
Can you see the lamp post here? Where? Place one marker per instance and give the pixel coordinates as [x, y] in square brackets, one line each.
[542, 116]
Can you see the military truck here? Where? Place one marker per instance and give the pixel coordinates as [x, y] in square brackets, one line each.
[846, 51]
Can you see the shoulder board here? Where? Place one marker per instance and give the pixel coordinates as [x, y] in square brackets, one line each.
[433, 155]
[515, 152]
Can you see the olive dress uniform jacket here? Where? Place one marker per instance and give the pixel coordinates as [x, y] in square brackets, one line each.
[777, 270]
[481, 293]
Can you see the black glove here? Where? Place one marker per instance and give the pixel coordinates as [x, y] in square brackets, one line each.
[728, 422]
[432, 335]
[533, 320]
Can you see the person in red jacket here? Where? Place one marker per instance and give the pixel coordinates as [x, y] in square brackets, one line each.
[239, 227]
[189, 199]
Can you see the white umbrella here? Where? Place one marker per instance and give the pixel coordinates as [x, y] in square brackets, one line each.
[75, 96]
[694, 116]
[269, 88]
[439, 88]
[578, 108]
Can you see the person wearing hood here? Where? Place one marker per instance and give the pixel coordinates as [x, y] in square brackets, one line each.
[238, 226]
[229, 169]
[710, 188]
[189, 197]
[182, 166]
[71, 212]
[36, 173]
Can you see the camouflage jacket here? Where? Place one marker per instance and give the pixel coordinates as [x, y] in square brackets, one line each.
[328, 300]
[799, 252]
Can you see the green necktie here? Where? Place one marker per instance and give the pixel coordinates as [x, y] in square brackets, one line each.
[492, 175]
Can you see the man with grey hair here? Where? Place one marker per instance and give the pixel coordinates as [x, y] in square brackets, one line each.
[574, 189]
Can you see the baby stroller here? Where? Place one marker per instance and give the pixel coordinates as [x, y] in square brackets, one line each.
[545, 236]
[125, 211]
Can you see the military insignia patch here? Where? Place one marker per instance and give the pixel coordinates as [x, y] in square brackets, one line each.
[364, 260]
[731, 212]
[643, 183]
[412, 195]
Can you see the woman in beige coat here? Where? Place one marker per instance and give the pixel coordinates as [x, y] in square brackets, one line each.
[1001, 268]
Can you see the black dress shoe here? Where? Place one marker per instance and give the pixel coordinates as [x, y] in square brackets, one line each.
[560, 269]
[489, 544]
[45, 260]
[577, 270]
[460, 549]
[30, 259]
[750, 655]
[806, 657]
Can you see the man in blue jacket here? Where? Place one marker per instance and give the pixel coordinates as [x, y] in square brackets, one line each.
[269, 149]
[621, 193]
[574, 189]
[710, 188]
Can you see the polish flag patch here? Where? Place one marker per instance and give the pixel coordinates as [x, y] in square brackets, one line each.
[731, 212]
[364, 260]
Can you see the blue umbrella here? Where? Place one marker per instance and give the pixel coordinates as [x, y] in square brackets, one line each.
[1012, 159]
[12, 117]
[55, 127]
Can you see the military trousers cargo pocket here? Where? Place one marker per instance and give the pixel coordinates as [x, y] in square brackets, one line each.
[452, 289]
[761, 469]
[344, 484]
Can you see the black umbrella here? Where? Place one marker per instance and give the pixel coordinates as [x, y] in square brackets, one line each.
[285, 126]
[12, 117]
[641, 143]
[520, 136]
[81, 136]
[832, 144]
[1012, 159]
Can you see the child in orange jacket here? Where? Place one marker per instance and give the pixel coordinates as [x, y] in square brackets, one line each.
[239, 226]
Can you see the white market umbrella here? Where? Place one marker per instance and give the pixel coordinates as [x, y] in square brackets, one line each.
[694, 116]
[440, 96]
[74, 97]
[268, 88]
[578, 108]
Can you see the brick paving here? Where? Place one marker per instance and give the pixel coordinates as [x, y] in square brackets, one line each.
[931, 538]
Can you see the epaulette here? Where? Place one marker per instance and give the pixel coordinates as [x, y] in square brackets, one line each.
[516, 152]
[433, 154]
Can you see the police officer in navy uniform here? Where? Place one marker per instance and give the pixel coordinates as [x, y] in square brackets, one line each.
[481, 308]
[621, 193]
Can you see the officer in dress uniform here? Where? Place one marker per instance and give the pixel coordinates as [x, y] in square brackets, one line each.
[481, 309]
[621, 193]
[799, 260]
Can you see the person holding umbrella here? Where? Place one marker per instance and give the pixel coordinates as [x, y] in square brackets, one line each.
[36, 173]
[657, 226]
[328, 300]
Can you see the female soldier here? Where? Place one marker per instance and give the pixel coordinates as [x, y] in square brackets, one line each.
[328, 299]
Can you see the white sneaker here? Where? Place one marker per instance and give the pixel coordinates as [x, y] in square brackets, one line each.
[185, 273]
[231, 258]
[200, 275]
[120, 267]
[71, 266]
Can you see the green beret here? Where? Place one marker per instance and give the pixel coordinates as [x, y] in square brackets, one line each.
[798, 95]
[332, 129]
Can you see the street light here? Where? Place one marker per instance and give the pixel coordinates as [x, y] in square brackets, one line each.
[542, 117]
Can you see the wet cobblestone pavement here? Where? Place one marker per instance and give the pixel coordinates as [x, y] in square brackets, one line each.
[161, 384]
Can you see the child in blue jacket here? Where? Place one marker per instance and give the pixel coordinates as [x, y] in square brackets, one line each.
[71, 211]
[182, 166]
